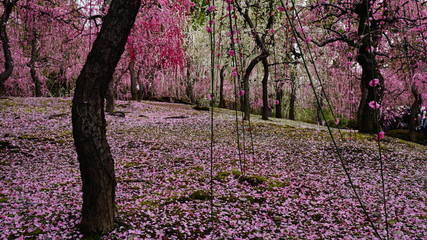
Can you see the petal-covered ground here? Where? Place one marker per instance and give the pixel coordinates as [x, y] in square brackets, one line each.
[287, 184]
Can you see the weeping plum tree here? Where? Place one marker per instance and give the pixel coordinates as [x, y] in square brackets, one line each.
[8, 60]
[89, 125]
[366, 27]
[261, 42]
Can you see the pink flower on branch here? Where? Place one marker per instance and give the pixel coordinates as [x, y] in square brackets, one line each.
[209, 29]
[241, 93]
[281, 9]
[374, 105]
[380, 135]
[231, 53]
[374, 82]
[211, 9]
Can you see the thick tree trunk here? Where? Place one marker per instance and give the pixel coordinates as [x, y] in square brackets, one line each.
[415, 108]
[266, 110]
[8, 59]
[366, 116]
[89, 125]
[34, 58]
[109, 97]
[189, 83]
[221, 87]
[134, 82]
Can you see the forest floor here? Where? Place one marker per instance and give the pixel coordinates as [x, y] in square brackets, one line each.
[289, 185]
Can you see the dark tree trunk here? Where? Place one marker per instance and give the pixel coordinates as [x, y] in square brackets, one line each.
[366, 116]
[319, 118]
[293, 95]
[109, 97]
[89, 125]
[8, 59]
[246, 75]
[134, 82]
[266, 110]
[34, 58]
[221, 87]
[415, 108]
[279, 97]
[189, 83]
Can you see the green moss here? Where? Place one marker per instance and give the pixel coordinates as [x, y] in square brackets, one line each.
[198, 168]
[253, 180]
[278, 184]
[221, 176]
[4, 200]
[236, 173]
[200, 195]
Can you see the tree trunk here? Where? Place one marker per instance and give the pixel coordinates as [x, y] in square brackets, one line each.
[293, 95]
[266, 110]
[134, 83]
[109, 97]
[415, 108]
[366, 116]
[319, 118]
[279, 96]
[246, 76]
[221, 87]
[189, 83]
[89, 125]
[32, 64]
[8, 59]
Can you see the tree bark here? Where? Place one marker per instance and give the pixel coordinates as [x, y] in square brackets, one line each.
[109, 97]
[34, 58]
[4, 38]
[265, 108]
[415, 108]
[89, 125]
[134, 82]
[279, 97]
[293, 95]
[221, 87]
[366, 116]
[246, 88]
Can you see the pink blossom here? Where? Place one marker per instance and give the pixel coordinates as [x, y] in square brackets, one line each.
[229, 1]
[234, 74]
[276, 101]
[374, 105]
[242, 92]
[209, 29]
[348, 63]
[211, 9]
[230, 8]
[380, 135]
[281, 9]
[308, 39]
[231, 53]
[374, 82]
[210, 96]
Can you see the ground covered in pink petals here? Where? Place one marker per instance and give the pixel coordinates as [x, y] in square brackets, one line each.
[292, 185]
